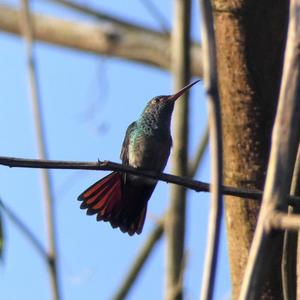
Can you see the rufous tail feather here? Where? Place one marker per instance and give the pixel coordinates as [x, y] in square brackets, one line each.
[117, 202]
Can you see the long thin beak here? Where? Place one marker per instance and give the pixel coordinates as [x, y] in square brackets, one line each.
[182, 91]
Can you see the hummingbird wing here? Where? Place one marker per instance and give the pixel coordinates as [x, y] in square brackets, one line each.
[124, 150]
[120, 198]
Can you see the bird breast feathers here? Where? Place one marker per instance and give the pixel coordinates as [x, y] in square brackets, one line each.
[148, 153]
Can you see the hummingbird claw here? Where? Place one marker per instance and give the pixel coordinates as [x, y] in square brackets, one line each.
[102, 163]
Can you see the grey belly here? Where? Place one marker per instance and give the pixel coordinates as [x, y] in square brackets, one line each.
[149, 154]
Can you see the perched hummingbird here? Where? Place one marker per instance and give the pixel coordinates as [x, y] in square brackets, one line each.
[121, 198]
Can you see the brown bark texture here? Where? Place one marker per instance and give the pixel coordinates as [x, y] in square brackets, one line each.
[250, 46]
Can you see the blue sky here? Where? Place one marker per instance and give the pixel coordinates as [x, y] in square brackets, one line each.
[87, 102]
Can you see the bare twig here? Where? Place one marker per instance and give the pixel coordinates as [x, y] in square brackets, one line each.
[106, 17]
[139, 262]
[102, 16]
[195, 185]
[285, 141]
[129, 42]
[211, 86]
[25, 230]
[289, 255]
[289, 262]
[46, 184]
[295, 186]
[157, 16]
[283, 221]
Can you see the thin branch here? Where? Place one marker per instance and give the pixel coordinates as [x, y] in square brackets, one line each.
[195, 185]
[157, 16]
[139, 262]
[289, 255]
[283, 221]
[157, 232]
[289, 262]
[46, 184]
[295, 186]
[285, 141]
[102, 16]
[129, 42]
[25, 230]
[216, 210]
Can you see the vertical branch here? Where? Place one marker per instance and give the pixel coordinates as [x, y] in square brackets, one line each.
[45, 176]
[211, 85]
[285, 141]
[295, 189]
[175, 224]
[289, 262]
[157, 16]
[289, 255]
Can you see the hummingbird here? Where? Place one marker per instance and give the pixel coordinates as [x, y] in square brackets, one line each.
[121, 198]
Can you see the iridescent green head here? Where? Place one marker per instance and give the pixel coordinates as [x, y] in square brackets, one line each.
[162, 106]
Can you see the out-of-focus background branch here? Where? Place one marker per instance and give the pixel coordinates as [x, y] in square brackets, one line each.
[110, 38]
[47, 187]
[175, 221]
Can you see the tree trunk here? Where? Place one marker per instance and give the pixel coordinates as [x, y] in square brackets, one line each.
[250, 45]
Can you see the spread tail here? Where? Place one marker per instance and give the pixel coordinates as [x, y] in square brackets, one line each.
[122, 204]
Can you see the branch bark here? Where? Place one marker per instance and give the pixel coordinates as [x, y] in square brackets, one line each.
[111, 38]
